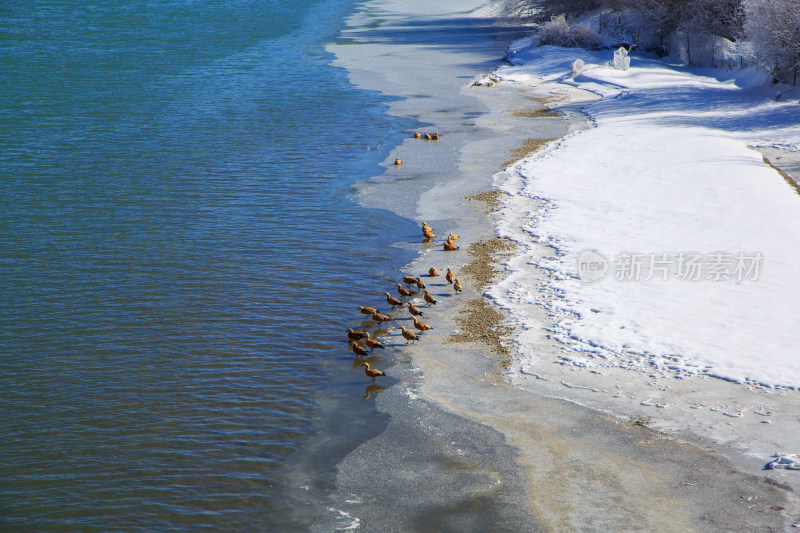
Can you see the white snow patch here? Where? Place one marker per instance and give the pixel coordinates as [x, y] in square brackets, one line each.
[666, 175]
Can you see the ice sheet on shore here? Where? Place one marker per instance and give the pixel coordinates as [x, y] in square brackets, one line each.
[699, 236]
[785, 461]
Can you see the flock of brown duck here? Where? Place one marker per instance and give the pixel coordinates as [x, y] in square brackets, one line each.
[418, 135]
[363, 344]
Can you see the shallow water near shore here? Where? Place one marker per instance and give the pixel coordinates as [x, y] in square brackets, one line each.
[181, 257]
[177, 314]
[465, 447]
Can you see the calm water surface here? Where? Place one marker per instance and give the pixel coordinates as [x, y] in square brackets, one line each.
[179, 259]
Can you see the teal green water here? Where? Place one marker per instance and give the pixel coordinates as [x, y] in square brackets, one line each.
[177, 261]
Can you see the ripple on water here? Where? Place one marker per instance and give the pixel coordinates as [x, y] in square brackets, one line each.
[178, 264]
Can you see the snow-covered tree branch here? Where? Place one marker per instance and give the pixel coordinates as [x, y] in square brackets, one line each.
[698, 31]
[773, 26]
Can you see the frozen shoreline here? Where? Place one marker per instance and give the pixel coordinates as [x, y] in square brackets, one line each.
[684, 214]
[463, 445]
[603, 344]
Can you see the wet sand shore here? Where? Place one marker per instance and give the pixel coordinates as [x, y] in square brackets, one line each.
[465, 448]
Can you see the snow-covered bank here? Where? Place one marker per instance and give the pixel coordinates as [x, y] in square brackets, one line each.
[676, 245]
[464, 448]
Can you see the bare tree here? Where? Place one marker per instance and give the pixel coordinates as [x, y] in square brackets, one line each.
[660, 15]
[545, 9]
[773, 26]
[520, 9]
[570, 8]
[704, 21]
[723, 18]
[700, 26]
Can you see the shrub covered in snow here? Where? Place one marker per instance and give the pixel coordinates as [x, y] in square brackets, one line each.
[716, 33]
[773, 26]
[621, 59]
[543, 9]
[558, 32]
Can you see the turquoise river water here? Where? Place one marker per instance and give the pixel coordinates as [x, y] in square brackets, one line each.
[179, 261]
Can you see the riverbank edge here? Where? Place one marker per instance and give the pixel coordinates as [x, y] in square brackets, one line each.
[429, 389]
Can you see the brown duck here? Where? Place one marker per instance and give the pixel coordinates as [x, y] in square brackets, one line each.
[413, 310]
[409, 336]
[372, 372]
[359, 350]
[355, 335]
[422, 326]
[409, 280]
[391, 300]
[450, 246]
[402, 291]
[372, 344]
[379, 318]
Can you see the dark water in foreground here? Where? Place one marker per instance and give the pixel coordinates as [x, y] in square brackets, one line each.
[179, 259]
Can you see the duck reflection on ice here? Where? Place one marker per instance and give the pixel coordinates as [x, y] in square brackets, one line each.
[372, 389]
